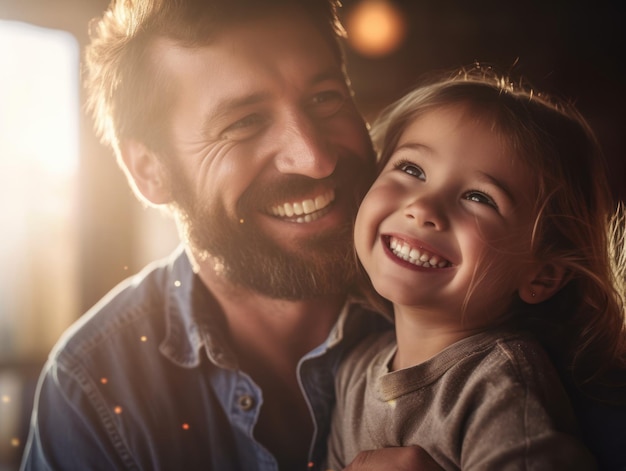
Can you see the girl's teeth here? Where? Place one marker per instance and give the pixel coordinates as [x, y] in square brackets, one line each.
[414, 256]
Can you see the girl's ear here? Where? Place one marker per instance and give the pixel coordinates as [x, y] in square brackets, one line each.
[145, 172]
[543, 282]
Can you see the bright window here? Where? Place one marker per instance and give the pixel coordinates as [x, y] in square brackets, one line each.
[39, 112]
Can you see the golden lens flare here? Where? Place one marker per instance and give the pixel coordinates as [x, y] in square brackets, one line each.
[375, 28]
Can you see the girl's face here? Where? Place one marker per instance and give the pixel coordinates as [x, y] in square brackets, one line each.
[451, 210]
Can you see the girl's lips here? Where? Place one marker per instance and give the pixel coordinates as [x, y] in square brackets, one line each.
[415, 255]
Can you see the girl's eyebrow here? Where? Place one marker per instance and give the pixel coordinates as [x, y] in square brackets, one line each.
[428, 152]
[499, 184]
[415, 147]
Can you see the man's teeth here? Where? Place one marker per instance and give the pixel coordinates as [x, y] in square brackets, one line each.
[305, 211]
[419, 257]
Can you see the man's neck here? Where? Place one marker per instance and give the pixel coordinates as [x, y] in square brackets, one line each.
[264, 326]
[270, 336]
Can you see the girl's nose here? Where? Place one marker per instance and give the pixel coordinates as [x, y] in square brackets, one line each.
[427, 211]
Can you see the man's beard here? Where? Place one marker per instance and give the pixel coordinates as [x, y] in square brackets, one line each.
[322, 265]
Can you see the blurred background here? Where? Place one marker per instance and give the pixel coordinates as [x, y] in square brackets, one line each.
[70, 228]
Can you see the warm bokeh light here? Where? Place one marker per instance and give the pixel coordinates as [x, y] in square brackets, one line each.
[10, 408]
[375, 27]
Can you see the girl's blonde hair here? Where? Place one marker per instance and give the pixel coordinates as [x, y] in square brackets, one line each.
[578, 224]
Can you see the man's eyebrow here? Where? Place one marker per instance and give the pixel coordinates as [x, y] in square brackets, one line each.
[333, 73]
[231, 104]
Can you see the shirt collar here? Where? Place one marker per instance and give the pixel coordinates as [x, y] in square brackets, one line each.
[195, 320]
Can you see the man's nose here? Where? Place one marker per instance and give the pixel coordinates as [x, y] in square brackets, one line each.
[427, 210]
[305, 150]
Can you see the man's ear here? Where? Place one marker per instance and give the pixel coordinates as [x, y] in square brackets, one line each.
[145, 172]
[543, 282]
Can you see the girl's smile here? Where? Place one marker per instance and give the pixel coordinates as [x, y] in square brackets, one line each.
[447, 221]
[414, 253]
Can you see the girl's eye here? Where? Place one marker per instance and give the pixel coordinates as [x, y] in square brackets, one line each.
[411, 169]
[481, 198]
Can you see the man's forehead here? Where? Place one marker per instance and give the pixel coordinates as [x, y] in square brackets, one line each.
[253, 33]
[240, 68]
[278, 49]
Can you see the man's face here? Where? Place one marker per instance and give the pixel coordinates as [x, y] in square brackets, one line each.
[269, 157]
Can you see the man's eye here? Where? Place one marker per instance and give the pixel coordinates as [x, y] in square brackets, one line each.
[244, 128]
[481, 198]
[325, 104]
[411, 169]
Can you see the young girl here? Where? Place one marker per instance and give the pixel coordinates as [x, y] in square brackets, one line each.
[489, 222]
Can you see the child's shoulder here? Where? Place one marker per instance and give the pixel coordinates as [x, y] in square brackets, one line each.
[512, 372]
[521, 348]
[516, 355]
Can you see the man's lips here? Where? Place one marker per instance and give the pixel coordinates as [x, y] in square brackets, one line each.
[418, 256]
[307, 210]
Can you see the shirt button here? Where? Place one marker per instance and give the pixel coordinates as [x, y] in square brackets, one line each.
[246, 402]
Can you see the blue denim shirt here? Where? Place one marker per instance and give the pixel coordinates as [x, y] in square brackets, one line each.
[146, 380]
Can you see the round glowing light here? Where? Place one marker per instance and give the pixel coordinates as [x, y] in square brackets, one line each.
[375, 27]
[104, 380]
[117, 410]
[15, 442]
[6, 399]
[185, 426]
[144, 338]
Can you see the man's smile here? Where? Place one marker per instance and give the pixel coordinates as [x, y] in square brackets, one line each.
[304, 211]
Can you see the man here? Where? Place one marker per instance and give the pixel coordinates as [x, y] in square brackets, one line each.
[237, 115]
